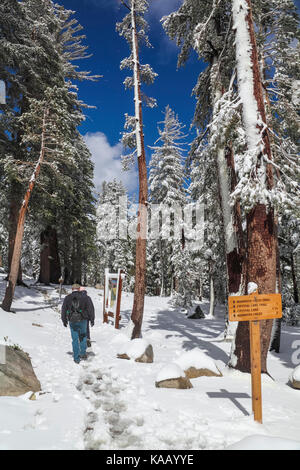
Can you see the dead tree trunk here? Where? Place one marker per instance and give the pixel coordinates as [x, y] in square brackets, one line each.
[141, 240]
[15, 263]
[14, 207]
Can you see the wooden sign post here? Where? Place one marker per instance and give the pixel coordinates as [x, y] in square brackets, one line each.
[112, 296]
[253, 308]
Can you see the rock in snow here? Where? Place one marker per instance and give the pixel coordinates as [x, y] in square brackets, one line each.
[138, 349]
[197, 364]
[17, 376]
[172, 376]
[295, 378]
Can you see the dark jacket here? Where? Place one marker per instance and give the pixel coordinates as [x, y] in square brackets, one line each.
[86, 306]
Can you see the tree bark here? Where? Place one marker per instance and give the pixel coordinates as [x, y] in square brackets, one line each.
[50, 270]
[141, 240]
[294, 279]
[14, 207]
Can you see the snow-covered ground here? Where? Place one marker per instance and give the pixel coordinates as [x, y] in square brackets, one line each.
[111, 403]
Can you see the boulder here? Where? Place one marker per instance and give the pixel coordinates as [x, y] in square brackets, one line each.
[193, 373]
[171, 376]
[137, 349]
[17, 376]
[197, 315]
[179, 382]
[295, 384]
[196, 363]
[295, 378]
[123, 356]
[147, 356]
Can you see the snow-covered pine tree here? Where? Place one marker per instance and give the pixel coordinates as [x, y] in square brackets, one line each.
[18, 69]
[274, 182]
[49, 125]
[206, 28]
[167, 192]
[116, 249]
[183, 25]
[278, 40]
[49, 36]
[134, 29]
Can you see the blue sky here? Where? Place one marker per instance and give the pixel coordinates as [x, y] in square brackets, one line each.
[104, 125]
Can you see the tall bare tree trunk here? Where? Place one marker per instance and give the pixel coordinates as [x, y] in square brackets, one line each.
[261, 231]
[141, 240]
[15, 262]
[233, 233]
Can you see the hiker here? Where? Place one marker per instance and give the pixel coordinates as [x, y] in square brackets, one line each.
[88, 334]
[78, 310]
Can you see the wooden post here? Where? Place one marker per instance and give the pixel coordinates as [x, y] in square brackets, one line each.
[256, 370]
[61, 280]
[105, 319]
[117, 321]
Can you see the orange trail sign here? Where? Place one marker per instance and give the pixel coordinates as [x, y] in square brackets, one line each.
[254, 307]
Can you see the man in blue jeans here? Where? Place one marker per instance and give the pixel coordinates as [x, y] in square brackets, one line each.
[78, 310]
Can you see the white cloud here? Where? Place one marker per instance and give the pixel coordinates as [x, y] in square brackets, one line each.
[107, 161]
[160, 8]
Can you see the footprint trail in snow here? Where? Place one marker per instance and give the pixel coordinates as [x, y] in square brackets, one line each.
[107, 426]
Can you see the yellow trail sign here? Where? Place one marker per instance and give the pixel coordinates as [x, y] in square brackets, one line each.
[254, 307]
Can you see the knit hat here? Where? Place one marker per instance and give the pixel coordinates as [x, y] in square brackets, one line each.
[75, 287]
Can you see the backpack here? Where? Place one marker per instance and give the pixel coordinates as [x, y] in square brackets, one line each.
[75, 313]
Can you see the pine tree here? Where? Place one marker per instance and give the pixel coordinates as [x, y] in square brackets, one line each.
[115, 246]
[206, 28]
[48, 124]
[167, 192]
[48, 37]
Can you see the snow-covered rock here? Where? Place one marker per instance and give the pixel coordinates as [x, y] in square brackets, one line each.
[172, 376]
[197, 364]
[295, 378]
[138, 349]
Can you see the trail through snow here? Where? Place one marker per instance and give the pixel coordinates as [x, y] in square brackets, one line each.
[110, 403]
